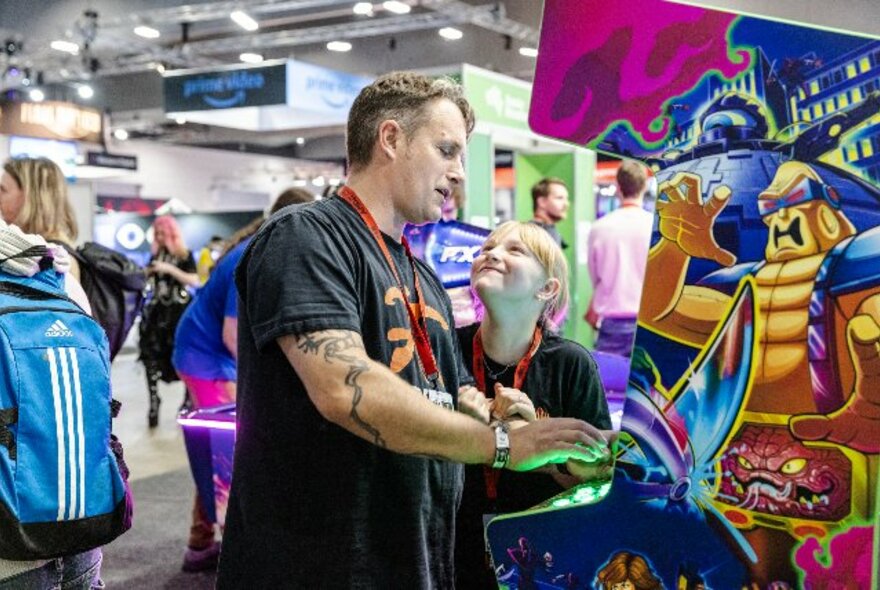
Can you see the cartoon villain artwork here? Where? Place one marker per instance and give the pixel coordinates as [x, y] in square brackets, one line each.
[751, 430]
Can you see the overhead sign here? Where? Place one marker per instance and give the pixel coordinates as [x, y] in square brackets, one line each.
[51, 120]
[107, 160]
[322, 90]
[279, 96]
[497, 99]
[226, 88]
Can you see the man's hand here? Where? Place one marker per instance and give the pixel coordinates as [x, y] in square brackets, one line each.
[857, 424]
[555, 440]
[687, 221]
[599, 470]
[591, 317]
[472, 402]
[511, 402]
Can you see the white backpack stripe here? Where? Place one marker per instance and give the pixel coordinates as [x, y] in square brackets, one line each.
[59, 433]
[71, 440]
[80, 435]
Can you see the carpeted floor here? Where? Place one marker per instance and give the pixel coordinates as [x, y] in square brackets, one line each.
[149, 555]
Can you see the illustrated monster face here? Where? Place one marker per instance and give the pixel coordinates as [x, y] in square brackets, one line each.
[766, 470]
[802, 214]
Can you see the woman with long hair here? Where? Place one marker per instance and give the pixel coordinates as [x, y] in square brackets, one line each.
[523, 372]
[171, 270]
[33, 196]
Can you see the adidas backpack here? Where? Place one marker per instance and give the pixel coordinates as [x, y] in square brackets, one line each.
[61, 471]
[114, 285]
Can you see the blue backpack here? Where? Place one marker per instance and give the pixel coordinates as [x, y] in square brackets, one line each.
[62, 489]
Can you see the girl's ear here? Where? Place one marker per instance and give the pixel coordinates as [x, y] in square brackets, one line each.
[549, 290]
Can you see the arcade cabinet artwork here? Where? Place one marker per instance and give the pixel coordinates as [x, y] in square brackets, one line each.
[751, 430]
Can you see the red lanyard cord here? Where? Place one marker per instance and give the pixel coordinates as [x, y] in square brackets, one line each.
[490, 476]
[418, 325]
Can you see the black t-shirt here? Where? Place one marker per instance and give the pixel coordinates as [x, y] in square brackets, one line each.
[311, 505]
[562, 381]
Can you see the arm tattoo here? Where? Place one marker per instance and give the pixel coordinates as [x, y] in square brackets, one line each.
[333, 346]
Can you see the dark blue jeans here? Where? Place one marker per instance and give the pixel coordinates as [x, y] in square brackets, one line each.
[76, 572]
[616, 336]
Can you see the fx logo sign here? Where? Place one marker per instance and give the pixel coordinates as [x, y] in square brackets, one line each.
[459, 253]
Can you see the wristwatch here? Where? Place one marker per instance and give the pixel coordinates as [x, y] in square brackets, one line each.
[502, 446]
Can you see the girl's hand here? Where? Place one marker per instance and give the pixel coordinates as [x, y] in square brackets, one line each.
[511, 402]
[160, 267]
[472, 402]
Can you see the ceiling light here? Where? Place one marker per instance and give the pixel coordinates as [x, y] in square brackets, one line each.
[244, 20]
[319, 181]
[65, 46]
[146, 32]
[450, 33]
[36, 95]
[528, 51]
[120, 134]
[363, 8]
[85, 91]
[251, 58]
[300, 140]
[396, 7]
[339, 46]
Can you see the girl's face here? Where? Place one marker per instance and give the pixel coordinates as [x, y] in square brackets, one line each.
[161, 235]
[11, 198]
[625, 585]
[506, 270]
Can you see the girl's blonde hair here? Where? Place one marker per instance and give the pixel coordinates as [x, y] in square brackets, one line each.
[46, 210]
[548, 253]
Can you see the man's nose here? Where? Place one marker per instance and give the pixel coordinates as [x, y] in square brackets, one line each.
[456, 171]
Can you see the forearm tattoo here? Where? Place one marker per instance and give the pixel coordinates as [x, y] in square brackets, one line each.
[335, 346]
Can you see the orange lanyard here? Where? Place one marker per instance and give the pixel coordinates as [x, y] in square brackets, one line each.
[490, 475]
[522, 367]
[418, 325]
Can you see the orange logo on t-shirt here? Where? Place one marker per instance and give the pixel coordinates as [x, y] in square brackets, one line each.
[403, 354]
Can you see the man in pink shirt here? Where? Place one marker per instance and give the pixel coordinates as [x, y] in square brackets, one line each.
[618, 250]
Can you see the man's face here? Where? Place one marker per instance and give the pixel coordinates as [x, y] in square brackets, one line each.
[431, 163]
[555, 204]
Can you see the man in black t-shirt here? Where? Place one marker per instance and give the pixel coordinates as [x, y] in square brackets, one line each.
[348, 451]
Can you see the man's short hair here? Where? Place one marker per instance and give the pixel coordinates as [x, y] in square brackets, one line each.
[542, 189]
[632, 178]
[402, 97]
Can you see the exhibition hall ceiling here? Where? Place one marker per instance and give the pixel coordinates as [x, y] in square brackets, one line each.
[124, 67]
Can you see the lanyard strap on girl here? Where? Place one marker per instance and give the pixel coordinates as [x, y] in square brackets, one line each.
[418, 325]
[490, 476]
[522, 367]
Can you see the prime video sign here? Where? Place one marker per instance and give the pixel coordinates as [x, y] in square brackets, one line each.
[318, 89]
[235, 84]
[225, 89]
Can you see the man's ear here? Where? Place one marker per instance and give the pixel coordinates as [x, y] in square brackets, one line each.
[390, 138]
